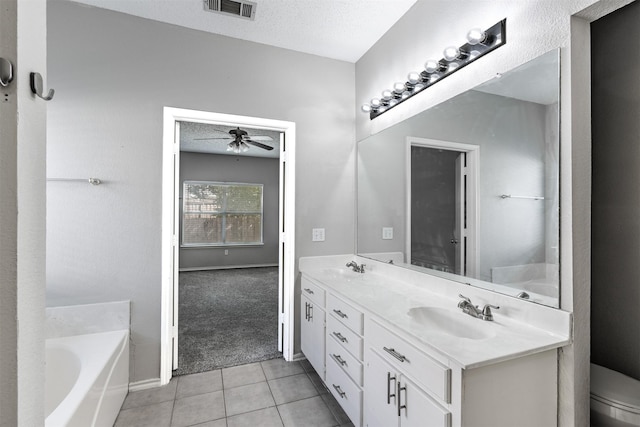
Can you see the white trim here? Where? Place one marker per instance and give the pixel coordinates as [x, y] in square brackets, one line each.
[473, 199]
[145, 384]
[172, 115]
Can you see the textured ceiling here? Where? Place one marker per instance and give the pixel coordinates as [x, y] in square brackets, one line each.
[338, 29]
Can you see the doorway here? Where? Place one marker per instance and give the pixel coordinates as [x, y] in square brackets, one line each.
[442, 205]
[171, 226]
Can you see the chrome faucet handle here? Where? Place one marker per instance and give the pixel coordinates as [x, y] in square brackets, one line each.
[467, 299]
[486, 311]
[362, 268]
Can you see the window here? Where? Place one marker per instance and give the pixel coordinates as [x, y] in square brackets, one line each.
[221, 214]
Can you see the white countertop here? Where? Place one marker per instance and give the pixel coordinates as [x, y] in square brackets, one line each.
[506, 337]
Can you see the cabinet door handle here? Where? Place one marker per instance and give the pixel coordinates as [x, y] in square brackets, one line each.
[309, 291]
[339, 359]
[339, 390]
[400, 406]
[395, 354]
[389, 395]
[306, 311]
[339, 336]
[340, 313]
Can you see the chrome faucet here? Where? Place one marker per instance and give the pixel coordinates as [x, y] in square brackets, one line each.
[355, 267]
[474, 311]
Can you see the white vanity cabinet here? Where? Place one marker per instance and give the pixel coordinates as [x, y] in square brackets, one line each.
[345, 325]
[312, 325]
[393, 369]
[386, 371]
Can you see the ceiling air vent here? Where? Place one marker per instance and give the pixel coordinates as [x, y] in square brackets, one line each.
[241, 9]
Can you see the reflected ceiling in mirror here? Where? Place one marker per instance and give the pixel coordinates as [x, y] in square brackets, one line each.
[469, 189]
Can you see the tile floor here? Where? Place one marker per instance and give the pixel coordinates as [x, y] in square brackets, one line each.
[271, 393]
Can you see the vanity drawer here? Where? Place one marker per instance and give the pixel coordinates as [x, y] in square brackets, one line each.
[346, 392]
[433, 375]
[346, 360]
[314, 292]
[345, 337]
[346, 313]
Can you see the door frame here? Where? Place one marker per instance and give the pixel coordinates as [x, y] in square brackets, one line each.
[473, 199]
[170, 245]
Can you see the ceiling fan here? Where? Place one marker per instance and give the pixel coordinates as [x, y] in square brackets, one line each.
[239, 140]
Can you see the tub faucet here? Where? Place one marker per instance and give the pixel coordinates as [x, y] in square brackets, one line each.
[355, 267]
[474, 311]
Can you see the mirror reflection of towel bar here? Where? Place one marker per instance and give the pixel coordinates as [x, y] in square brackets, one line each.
[509, 196]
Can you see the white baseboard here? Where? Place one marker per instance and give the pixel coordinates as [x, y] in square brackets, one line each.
[226, 267]
[298, 356]
[144, 384]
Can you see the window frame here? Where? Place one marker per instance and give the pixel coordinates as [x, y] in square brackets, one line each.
[224, 212]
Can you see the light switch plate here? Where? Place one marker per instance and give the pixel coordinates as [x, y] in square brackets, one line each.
[387, 233]
[317, 235]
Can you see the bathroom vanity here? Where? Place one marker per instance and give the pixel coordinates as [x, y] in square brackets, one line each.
[394, 349]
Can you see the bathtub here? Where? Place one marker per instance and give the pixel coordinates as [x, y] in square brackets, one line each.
[87, 379]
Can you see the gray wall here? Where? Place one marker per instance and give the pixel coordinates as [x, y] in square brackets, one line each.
[239, 169]
[113, 74]
[615, 288]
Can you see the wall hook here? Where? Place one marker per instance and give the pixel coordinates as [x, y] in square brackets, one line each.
[36, 87]
[6, 72]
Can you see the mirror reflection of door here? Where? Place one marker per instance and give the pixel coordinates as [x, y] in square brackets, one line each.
[438, 209]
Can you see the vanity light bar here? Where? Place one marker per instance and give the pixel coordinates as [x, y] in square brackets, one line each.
[479, 43]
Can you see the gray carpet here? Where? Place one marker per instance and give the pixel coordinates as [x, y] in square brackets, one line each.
[227, 318]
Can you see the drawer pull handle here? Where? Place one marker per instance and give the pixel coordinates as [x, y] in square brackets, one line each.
[339, 359]
[309, 311]
[400, 406]
[389, 395]
[309, 291]
[341, 393]
[339, 313]
[395, 354]
[339, 336]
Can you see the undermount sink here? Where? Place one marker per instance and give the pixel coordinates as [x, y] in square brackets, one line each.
[450, 322]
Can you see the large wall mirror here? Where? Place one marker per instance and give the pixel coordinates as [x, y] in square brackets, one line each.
[469, 189]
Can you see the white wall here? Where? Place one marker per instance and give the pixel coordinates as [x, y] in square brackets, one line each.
[113, 74]
[533, 28]
[22, 234]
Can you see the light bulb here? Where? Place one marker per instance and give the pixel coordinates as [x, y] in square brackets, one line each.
[476, 36]
[399, 87]
[375, 103]
[243, 147]
[413, 77]
[432, 66]
[366, 108]
[387, 95]
[451, 53]
[230, 146]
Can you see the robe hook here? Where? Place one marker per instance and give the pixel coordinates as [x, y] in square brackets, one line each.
[6, 72]
[37, 87]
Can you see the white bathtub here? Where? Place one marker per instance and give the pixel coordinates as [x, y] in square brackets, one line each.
[87, 379]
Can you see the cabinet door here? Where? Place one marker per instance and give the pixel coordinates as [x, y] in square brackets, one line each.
[417, 409]
[312, 334]
[381, 383]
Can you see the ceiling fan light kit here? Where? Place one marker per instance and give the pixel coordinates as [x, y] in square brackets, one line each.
[241, 141]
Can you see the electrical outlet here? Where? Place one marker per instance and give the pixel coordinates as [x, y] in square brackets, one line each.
[387, 233]
[317, 235]
[226, 251]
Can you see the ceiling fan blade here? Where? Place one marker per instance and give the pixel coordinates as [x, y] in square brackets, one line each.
[206, 139]
[260, 138]
[258, 144]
